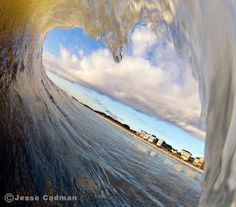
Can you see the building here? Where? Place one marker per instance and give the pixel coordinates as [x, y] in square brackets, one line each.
[174, 151]
[185, 155]
[146, 136]
[160, 142]
[143, 134]
[199, 162]
[152, 139]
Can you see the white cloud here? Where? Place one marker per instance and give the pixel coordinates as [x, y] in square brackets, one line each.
[152, 78]
[141, 40]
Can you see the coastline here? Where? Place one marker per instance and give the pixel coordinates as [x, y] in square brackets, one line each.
[152, 145]
[133, 134]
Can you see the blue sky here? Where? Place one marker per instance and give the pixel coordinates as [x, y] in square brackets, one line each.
[151, 89]
[74, 39]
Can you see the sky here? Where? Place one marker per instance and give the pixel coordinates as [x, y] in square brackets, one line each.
[152, 88]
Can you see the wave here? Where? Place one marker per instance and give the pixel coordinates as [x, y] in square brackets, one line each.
[36, 116]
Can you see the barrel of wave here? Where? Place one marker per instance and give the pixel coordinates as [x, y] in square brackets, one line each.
[24, 23]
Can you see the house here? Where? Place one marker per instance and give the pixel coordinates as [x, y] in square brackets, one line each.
[174, 151]
[185, 155]
[199, 162]
[152, 139]
[143, 134]
[159, 142]
[146, 135]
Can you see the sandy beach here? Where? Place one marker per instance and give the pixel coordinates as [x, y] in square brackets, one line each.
[151, 144]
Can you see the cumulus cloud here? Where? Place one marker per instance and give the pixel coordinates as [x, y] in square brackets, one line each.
[151, 78]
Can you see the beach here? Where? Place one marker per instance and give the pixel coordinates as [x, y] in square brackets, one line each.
[149, 143]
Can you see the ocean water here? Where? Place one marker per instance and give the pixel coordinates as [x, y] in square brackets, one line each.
[45, 142]
[135, 173]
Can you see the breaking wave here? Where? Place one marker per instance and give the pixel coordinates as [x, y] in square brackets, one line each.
[36, 117]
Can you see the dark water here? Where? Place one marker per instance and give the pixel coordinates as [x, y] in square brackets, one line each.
[76, 152]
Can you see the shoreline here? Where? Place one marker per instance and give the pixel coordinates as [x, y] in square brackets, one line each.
[133, 134]
[151, 144]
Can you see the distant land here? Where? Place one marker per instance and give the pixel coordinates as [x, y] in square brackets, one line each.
[182, 156]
